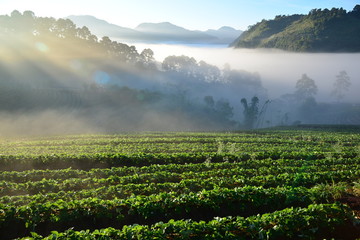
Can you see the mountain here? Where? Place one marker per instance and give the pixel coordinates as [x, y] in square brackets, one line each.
[163, 28]
[167, 32]
[164, 32]
[102, 28]
[325, 30]
[225, 34]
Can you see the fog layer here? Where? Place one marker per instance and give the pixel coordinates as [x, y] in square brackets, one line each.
[56, 78]
[279, 70]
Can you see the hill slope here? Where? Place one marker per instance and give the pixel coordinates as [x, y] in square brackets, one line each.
[325, 30]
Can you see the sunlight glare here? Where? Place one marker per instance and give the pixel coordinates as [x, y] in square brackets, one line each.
[42, 47]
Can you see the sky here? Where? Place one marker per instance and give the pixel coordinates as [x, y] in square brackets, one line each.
[190, 14]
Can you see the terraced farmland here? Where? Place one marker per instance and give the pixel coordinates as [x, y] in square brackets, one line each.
[283, 183]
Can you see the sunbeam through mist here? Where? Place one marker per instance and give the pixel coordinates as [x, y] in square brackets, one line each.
[56, 71]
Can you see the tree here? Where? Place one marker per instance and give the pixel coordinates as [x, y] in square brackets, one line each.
[28, 22]
[209, 101]
[305, 88]
[84, 33]
[250, 112]
[147, 55]
[29, 15]
[209, 72]
[16, 21]
[356, 11]
[45, 26]
[223, 107]
[181, 64]
[64, 28]
[147, 59]
[15, 14]
[106, 43]
[341, 85]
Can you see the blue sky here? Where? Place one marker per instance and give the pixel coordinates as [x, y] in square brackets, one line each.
[191, 14]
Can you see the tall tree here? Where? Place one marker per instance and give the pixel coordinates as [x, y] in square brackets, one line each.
[181, 64]
[223, 107]
[341, 85]
[250, 112]
[356, 11]
[84, 33]
[305, 88]
[209, 72]
[65, 28]
[146, 59]
[209, 101]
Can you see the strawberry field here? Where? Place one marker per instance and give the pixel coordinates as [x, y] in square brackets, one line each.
[281, 183]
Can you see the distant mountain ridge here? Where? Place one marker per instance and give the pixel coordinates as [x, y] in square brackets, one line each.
[163, 32]
[169, 32]
[325, 30]
[99, 27]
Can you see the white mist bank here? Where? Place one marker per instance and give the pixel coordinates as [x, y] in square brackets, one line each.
[279, 70]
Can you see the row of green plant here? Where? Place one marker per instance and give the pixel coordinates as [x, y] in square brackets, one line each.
[313, 222]
[272, 135]
[248, 167]
[103, 160]
[171, 143]
[308, 175]
[203, 205]
[43, 192]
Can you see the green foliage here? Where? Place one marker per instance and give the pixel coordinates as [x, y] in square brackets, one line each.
[251, 112]
[341, 85]
[251, 185]
[315, 221]
[324, 30]
[305, 88]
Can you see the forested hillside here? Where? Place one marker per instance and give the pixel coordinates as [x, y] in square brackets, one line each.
[322, 30]
[52, 66]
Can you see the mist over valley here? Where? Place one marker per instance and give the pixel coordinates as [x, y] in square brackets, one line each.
[279, 70]
[57, 77]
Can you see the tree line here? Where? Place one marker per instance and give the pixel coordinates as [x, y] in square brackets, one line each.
[130, 84]
[62, 66]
